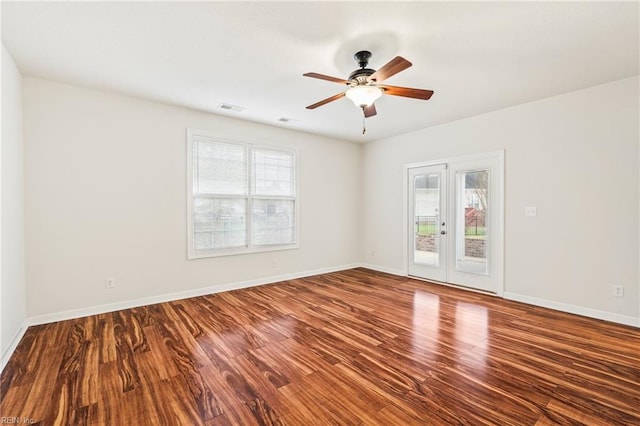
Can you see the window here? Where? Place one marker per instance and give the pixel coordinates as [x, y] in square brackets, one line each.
[241, 197]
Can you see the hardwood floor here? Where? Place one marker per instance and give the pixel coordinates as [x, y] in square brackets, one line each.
[348, 348]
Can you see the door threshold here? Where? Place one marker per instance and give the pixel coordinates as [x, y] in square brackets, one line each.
[452, 285]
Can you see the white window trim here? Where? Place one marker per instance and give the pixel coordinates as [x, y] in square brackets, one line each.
[200, 254]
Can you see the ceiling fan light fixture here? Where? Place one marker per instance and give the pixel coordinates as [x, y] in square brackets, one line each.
[364, 95]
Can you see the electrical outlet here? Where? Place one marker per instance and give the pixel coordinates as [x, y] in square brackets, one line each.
[109, 282]
[530, 211]
[274, 262]
[618, 291]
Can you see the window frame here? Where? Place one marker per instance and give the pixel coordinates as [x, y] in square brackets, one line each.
[249, 247]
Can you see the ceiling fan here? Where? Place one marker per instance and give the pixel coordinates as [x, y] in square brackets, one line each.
[364, 84]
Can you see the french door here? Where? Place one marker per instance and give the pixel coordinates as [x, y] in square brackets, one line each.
[455, 222]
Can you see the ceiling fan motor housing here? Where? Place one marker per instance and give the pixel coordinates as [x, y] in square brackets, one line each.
[361, 75]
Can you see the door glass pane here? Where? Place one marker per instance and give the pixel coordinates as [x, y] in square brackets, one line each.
[427, 219]
[472, 221]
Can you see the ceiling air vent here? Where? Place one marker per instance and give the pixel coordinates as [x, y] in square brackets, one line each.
[229, 107]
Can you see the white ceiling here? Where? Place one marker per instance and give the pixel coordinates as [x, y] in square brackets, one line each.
[477, 56]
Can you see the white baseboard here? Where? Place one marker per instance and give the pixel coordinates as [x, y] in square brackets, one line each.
[574, 309]
[13, 344]
[384, 269]
[545, 303]
[94, 310]
[127, 304]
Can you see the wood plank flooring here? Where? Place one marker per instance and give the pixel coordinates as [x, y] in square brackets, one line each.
[350, 348]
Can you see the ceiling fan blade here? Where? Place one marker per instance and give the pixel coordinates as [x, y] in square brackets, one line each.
[326, 101]
[325, 77]
[392, 67]
[370, 111]
[407, 92]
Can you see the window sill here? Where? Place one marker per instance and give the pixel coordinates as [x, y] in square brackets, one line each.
[203, 254]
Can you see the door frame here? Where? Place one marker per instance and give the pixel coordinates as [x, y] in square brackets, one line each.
[499, 211]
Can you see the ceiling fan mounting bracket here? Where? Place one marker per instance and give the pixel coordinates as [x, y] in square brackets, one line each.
[362, 57]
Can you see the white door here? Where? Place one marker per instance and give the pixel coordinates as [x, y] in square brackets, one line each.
[462, 241]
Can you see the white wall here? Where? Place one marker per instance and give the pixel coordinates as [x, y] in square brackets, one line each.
[12, 273]
[106, 181]
[574, 157]
[106, 197]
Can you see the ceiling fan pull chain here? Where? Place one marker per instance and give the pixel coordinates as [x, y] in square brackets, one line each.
[364, 126]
